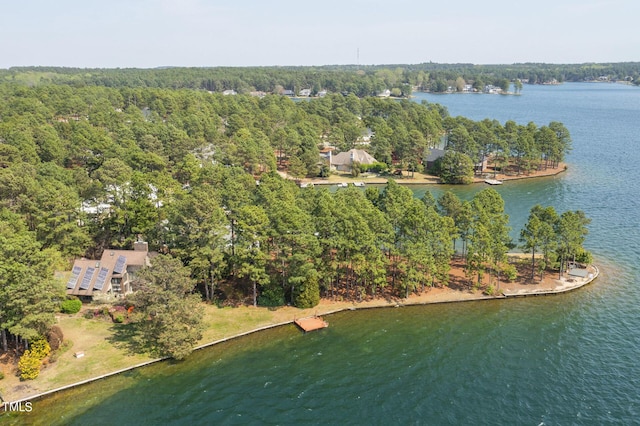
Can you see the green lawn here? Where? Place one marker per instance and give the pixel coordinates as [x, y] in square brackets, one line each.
[107, 348]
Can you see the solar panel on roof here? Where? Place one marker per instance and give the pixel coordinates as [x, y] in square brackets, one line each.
[73, 280]
[87, 278]
[119, 268]
[102, 277]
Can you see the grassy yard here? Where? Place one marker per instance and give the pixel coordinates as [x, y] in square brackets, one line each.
[107, 348]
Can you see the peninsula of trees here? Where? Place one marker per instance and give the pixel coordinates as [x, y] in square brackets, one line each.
[194, 173]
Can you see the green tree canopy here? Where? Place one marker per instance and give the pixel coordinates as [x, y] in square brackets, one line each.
[167, 314]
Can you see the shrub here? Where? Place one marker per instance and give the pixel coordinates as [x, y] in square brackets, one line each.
[355, 169]
[416, 167]
[31, 359]
[308, 295]
[1, 375]
[118, 318]
[510, 272]
[271, 296]
[583, 256]
[490, 291]
[71, 306]
[40, 348]
[100, 299]
[29, 366]
[55, 337]
[325, 171]
[377, 167]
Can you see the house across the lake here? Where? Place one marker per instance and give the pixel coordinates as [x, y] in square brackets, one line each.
[112, 274]
[434, 155]
[344, 161]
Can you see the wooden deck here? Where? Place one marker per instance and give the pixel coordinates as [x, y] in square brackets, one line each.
[493, 181]
[311, 323]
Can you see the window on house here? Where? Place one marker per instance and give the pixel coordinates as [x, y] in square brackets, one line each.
[116, 284]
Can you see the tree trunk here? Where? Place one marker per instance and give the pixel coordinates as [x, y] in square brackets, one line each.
[5, 346]
[533, 264]
[211, 282]
[206, 290]
[255, 294]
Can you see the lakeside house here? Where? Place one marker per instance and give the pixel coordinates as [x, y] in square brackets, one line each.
[434, 155]
[491, 89]
[365, 137]
[112, 274]
[480, 166]
[343, 162]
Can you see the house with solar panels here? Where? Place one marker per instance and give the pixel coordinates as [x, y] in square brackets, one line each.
[112, 274]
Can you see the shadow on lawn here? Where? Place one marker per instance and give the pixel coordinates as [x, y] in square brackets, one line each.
[127, 336]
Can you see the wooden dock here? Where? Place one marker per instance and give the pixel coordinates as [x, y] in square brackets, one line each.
[493, 181]
[311, 323]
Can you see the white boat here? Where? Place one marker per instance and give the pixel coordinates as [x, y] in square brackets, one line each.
[493, 181]
[343, 185]
[358, 184]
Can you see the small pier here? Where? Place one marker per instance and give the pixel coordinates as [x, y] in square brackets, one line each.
[311, 323]
[493, 181]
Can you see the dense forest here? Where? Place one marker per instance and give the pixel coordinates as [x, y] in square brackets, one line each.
[360, 80]
[195, 174]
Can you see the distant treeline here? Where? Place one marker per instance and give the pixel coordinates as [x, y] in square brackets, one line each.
[361, 80]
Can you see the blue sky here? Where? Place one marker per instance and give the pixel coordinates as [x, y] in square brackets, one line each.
[151, 33]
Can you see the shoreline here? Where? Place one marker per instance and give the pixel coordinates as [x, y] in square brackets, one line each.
[419, 179]
[443, 295]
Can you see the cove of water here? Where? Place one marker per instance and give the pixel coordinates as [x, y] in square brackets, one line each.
[566, 359]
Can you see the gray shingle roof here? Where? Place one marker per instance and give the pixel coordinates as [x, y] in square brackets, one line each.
[353, 155]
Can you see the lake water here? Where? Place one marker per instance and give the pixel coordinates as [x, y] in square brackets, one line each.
[566, 359]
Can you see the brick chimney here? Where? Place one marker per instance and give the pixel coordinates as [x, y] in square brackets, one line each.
[141, 246]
